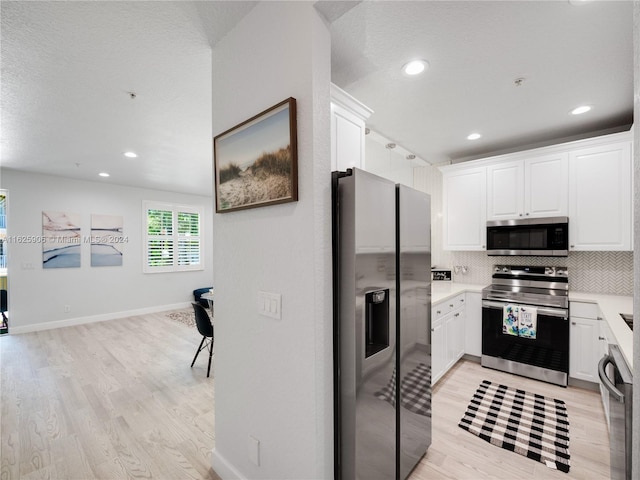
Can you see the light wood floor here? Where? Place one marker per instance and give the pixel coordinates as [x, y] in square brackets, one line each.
[117, 400]
[457, 454]
[109, 400]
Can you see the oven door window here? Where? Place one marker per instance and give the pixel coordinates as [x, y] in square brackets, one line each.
[550, 348]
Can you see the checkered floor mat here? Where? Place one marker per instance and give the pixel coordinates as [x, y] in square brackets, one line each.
[525, 423]
[415, 390]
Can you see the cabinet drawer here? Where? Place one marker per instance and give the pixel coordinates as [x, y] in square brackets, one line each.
[584, 310]
[440, 309]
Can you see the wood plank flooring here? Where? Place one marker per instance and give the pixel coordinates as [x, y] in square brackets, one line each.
[457, 454]
[108, 400]
[117, 400]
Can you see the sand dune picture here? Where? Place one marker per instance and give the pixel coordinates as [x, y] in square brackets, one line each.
[256, 161]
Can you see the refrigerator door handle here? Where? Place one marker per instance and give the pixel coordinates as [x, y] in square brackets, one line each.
[608, 384]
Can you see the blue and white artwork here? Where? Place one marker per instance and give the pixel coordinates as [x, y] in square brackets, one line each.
[60, 240]
[106, 241]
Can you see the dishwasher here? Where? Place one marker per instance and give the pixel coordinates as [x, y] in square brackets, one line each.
[617, 378]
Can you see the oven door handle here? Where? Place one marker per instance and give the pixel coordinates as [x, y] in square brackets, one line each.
[552, 312]
[606, 381]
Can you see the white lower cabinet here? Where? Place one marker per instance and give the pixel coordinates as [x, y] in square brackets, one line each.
[438, 350]
[447, 335]
[584, 341]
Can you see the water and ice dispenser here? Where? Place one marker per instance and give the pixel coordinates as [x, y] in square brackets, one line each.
[376, 321]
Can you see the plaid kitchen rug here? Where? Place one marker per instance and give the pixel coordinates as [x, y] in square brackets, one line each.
[521, 422]
[415, 390]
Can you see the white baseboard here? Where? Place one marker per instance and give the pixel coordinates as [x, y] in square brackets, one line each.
[70, 322]
[223, 468]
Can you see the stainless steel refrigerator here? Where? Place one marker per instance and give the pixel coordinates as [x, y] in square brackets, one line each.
[382, 326]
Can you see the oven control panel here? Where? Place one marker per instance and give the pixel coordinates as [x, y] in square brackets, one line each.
[516, 270]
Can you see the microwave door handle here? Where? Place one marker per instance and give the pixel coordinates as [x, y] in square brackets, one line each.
[608, 384]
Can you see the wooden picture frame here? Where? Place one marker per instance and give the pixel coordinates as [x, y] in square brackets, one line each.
[256, 162]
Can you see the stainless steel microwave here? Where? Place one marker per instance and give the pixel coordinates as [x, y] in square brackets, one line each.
[547, 237]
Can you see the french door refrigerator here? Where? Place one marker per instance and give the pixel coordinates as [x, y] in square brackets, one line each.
[382, 326]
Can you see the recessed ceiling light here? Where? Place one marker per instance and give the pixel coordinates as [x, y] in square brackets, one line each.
[473, 136]
[580, 110]
[103, 174]
[415, 67]
[130, 154]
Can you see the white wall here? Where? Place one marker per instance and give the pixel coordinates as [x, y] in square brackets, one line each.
[37, 296]
[429, 179]
[387, 163]
[274, 377]
[636, 237]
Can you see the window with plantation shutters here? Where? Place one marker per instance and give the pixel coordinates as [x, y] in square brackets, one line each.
[173, 238]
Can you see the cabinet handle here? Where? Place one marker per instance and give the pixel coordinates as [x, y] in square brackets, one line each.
[599, 318]
[601, 338]
[520, 214]
[527, 213]
[483, 246]
[438, 312]
[451, 305]
[457, 315]
[433, 329]
[573, 323]
[572, 246]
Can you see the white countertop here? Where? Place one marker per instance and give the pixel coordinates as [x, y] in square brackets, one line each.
[611, 307]
[443, 290]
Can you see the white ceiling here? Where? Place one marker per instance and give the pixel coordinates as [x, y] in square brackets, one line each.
[68, 69]
[568, 55]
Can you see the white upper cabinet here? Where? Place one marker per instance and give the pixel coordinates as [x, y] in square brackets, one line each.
[533, 187]
[464, 209]
[505, 190]
[589, 180]
[600, 192]
[545, 187]
[348, 117]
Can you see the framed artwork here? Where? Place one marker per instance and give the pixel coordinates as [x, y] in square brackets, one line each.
[106, 240]
[60, 240]
[256, 162]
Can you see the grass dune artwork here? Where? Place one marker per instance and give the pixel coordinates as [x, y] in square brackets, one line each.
[256, 161]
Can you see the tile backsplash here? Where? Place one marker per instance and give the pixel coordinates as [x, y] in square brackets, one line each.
[598, 272]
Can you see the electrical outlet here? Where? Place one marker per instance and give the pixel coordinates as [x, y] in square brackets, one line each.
[67, 308]
[270, 304]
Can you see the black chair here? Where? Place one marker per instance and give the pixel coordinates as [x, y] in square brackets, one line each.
[3, 308]
[203, 322]
[198, 292]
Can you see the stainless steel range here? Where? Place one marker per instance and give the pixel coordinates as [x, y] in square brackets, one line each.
[525, 322]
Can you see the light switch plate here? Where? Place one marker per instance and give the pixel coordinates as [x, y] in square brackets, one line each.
[270, 304]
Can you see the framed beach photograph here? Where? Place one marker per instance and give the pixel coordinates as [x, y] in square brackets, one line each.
[256, 162]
